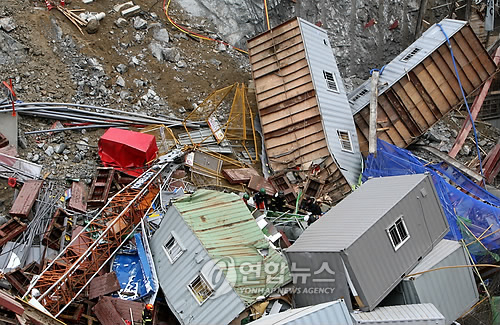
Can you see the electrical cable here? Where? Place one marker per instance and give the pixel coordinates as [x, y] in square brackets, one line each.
[267, 15]
[191, 33]
[465, 98]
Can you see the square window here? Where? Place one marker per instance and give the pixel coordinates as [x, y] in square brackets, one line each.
[331, 82]
[200, 289]
[172, 248]
[345, 140]
[398, 233]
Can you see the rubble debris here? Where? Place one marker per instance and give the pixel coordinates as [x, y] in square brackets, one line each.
[239, 175]
[132, 11]
[127, 151]
[26, 198]
[384, 219]
[7, 24]
[56, 230]
[491, 164]
[11, 229]
[102, 285]
[101, 184]
[109, 311]
[78, 200]
[4, 142]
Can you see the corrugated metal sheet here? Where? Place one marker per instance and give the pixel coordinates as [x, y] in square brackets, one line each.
[334, 107]
[356, 230]
[352, 217]
[334, 312]
[430, 40]
[422, 314]
[452, 291]
[174, 278]
[225, 227]
[212, 227]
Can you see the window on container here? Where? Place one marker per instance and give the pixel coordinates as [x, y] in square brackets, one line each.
[411, 54]
[345, 140]
[331, 82]
[398, 233]
[359, 95]
[173, 248]
[201, 289]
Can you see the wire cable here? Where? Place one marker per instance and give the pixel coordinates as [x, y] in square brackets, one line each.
[191, 33]
[465, 99]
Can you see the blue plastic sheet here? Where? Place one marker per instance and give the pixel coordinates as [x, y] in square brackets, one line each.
[471, 212]
[133, 272]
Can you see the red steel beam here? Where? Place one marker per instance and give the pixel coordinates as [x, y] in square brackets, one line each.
[476, 107]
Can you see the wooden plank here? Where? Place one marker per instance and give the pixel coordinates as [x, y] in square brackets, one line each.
[26, 198]
[471, 56]
[362, 126]
[292, 45]
[291, 93]
[276, 31]
[284, 87]
[425, 96]
[399, 127]
[274, 65]
[275, 42]
[293, 128]
[315, 153]
[448, 74]
[9, 302]
[288, 103]
[372, 132]
[445, 53]
[274, 81]
[291, 120]
[463, 63]
[294, 54]
[432, 89]
[392, 100]
[106, 313]
[296, 145]
[298, 108]
[290, 137]
[410, 107]
[478, 48]
[412, 93]
[441, 82]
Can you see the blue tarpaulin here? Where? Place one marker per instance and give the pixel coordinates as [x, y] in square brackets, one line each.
[134, 272]
[471, 211]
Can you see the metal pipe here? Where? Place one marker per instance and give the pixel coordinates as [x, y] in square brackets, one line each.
[95, 126]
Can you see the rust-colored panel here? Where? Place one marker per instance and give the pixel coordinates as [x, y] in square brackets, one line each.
[103, 285]
[11, 229]
[9, 302]
[239, 175]
[106, 313]
[78, 200]
[26, 199]
[257, 182]
[4, 142]
[111, 311]
[101, 185]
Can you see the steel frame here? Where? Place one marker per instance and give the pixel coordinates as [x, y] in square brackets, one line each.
[71, 271]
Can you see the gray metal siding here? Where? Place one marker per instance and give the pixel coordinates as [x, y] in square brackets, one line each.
[396, 69]
[353, 216]
[376, 267]
[310, 291]
[422, 314]
[332, 313]
[174, 278]
[452, 291]
[334, 107]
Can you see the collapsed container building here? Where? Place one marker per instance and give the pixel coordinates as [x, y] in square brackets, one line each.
[221, 260]
[302, 103]
[366, 244]
[419, 86]
[452, 290]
